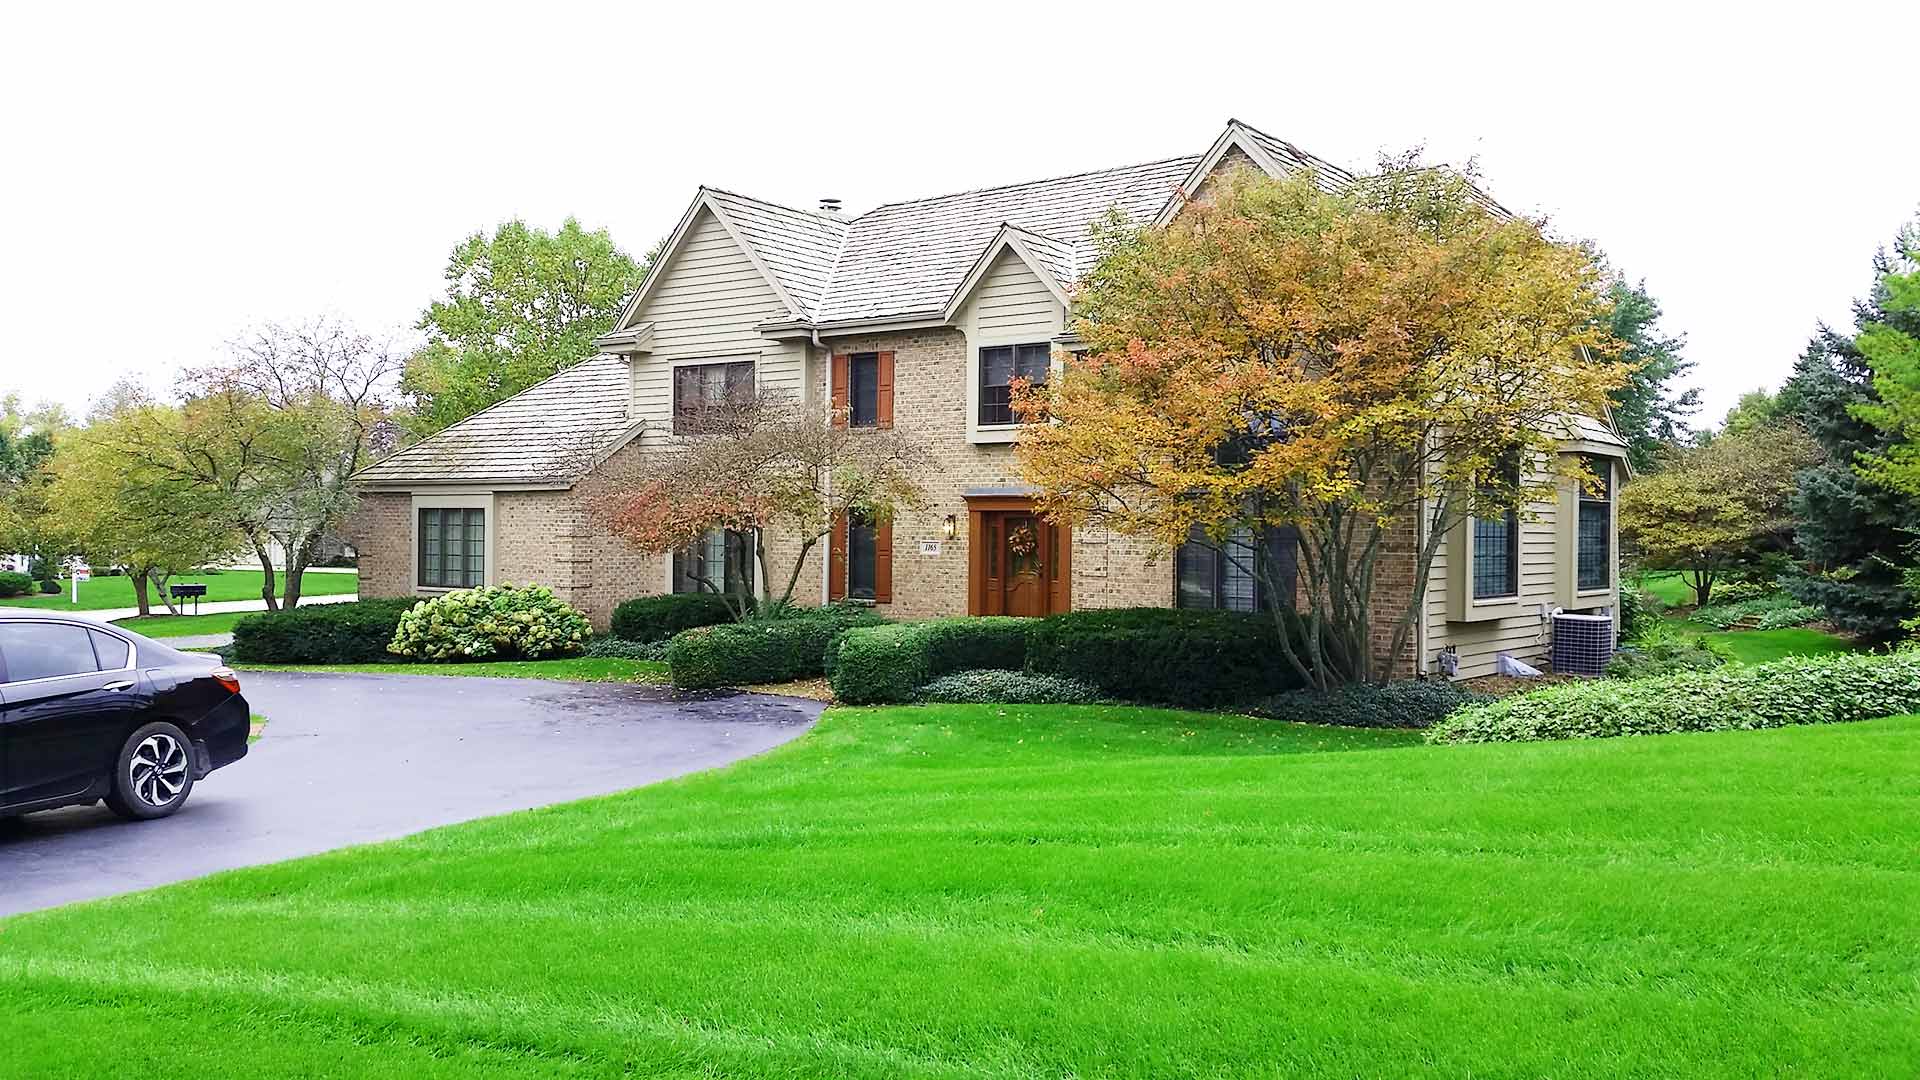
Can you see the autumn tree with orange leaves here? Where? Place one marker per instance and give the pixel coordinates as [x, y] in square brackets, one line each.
[1343, 364]
[764, 466]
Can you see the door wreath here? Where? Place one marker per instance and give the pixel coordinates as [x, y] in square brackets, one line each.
[1022, 541]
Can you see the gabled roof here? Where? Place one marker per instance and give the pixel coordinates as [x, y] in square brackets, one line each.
[551, 434]
[1051, 262]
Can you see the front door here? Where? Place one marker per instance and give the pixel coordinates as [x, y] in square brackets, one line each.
[1020, 566]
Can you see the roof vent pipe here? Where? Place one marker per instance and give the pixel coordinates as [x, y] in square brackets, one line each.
[829, 205]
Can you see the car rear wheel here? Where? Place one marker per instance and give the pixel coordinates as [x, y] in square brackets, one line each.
[153, 774]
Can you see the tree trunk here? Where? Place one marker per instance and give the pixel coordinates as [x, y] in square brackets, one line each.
[159, 580]
[265, 556]
[296, 571]
[139, 575]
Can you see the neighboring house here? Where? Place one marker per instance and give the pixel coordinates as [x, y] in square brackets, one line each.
[917, 314]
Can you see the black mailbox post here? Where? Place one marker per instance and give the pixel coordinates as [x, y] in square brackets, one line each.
[194, 589]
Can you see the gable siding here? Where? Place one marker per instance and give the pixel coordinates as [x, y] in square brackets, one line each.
[1012, 300]
[707, 305]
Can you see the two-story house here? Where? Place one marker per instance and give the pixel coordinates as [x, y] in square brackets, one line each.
[917, 314]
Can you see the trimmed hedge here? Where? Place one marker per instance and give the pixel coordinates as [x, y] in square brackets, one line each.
[1164, 656]
[1409, 703]
[13, 583]
[1797, 690]
[350, 633]
[882, 664]
[613, 648]
[512, 621]
[993, 686]
[49, 587]
[657, 618]
[762, 650]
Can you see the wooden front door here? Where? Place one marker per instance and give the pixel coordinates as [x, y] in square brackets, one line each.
[1019, 564]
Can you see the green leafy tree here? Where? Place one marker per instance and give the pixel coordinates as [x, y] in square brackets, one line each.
[1756, 409]
[1856, 536]
[521, 304]
[121, 510]
[27, 441]
[1649, 411]
[1718, 510]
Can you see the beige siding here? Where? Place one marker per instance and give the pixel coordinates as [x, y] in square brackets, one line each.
[1012, 300]
[1526, 635]
[706, 305]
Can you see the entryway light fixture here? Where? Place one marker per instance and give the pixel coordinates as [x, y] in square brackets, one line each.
[947, 526]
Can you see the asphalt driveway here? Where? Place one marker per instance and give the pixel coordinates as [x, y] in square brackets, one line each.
[348, 759]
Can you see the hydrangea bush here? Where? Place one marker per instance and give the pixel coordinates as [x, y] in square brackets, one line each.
[524, 622]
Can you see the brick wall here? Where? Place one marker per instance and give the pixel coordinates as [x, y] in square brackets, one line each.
[380, 529]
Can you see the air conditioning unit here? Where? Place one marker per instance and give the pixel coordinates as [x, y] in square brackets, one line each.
[1582, 644]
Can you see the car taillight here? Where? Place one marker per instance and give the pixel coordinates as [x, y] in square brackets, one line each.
[226, 677]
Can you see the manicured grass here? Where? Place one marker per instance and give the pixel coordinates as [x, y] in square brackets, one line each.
[256, 724]
[1760, 646]
[117, 592]
[1667, 586]
[574, 669]
[166, 626]
[981, 891]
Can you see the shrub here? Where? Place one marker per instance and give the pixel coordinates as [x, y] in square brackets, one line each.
[1663, 654]
[762, 650]
[657, 618]
[1791, 615]
[511, 621]
[1723, 616]
[1164, 656]
[996, 686]
[1409, 703]
[613, 648]
[1797, 690]
[1736, 592]
[888, 663]
[49, 587]
[350, 633]
[1639, 611]
[13, 583]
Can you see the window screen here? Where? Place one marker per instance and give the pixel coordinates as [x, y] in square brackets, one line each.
[453, 548]
[999, 367]
[862, 558]
[863, 390]
[1594, 547]
[46, 650]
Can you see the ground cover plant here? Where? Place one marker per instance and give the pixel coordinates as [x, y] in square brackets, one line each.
[1795, 690]
[1012, 891]
[100, 593]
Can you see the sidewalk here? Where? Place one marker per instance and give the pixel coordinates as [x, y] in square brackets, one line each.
[211, 608]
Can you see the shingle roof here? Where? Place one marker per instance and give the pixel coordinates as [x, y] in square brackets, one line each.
[906, 258]
[551, 432]
[798, 246]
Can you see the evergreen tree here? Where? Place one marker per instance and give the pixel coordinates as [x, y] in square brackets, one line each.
[1650, 414]
[1856, 537]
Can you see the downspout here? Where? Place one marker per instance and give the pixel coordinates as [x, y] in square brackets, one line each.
[826, 560]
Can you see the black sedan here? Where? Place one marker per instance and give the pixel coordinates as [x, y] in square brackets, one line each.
[89, 711]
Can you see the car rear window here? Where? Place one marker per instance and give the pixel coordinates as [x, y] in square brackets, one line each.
[112, 652]
[46, 650]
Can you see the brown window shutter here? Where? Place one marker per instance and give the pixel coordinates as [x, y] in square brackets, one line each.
[839, 394]
[883, 408]
[883, 559]
[837, 559]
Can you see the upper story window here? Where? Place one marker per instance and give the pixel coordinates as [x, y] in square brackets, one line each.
[453, 548]
[862, 390]
[1593, 545]
[999, 366]
[1496, 543]
[699, 387]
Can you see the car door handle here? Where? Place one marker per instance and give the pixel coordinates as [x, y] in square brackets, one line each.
[121, 684]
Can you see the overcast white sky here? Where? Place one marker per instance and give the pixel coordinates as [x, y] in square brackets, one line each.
[173, 175]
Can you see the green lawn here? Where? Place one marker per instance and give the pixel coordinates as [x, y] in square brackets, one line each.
[572, 669]
[1667, 586]
[1010, 892]
[166, 626]
[1760, 646]
[117, 592]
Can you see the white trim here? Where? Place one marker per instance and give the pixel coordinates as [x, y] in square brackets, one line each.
[703, 200]
[1009, 238]
[992, 434]
[1236, 135]
[482, 501]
